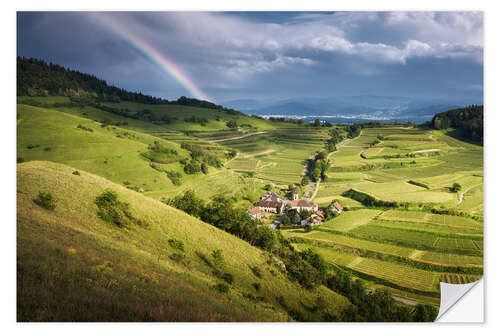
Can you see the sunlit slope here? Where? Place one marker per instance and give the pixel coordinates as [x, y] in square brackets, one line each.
[112, 152]
[73, 266]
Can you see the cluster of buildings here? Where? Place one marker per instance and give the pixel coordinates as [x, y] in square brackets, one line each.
[272, 203]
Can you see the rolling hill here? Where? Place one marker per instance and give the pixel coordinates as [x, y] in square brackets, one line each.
[74, 266]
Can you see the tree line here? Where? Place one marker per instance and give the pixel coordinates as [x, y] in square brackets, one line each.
[468, 120]
[38, 78]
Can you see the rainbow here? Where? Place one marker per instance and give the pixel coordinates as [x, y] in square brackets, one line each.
[156, 57]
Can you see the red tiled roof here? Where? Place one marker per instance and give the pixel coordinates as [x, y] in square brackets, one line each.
[337, 205]
[320, 213]
[254, 210]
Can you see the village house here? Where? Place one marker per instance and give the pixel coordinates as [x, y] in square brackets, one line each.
[304, 204]
[255, 213]
[337, 207]
[271, 203]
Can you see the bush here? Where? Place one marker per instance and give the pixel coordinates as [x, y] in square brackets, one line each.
[456, 187]
[256, 271]
[176, 244]
[175, 177]
[76, 173]
[222, 287]
[20, 160]
[110, 209]
[47, 149]
[45, 200]
[228, 277]
[256, 285]
[192, 167]
[88, 129]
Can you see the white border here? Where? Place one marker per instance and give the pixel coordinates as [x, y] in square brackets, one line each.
[8, 234]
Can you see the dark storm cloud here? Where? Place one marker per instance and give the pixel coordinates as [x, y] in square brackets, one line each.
[277, 54]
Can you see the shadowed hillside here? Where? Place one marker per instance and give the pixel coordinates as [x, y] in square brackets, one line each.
[72, 265]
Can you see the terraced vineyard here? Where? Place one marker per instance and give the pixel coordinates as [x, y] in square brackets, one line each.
[433, 235]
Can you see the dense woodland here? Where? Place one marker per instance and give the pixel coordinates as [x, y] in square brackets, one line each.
[468, 120]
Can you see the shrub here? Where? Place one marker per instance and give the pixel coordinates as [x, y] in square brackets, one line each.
[113, 210]
[177, 257]
[88, 129]
[176, 244]
[76, 173]
[47, 149]
[20, 160]
[31, 146]
[228, 277]
[256, 271]
[192, 167]
[222, 287]
[175, 177]
[256, 285]
[45, 200]
[456, 187]
[217, 257]
[413, 182]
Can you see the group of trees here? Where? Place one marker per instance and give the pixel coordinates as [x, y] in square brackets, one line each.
[468, 120]
[374, 306]
[293, 217]
[336, 136]
[353, 130]
[200, 159]
[318, 166]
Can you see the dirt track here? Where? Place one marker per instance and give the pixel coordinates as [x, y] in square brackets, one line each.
[237, 137]
[261, 153]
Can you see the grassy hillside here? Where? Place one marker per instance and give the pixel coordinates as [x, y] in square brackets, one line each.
[116, 153]
[74, 266]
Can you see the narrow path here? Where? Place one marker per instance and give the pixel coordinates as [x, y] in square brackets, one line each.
[269, 151]
[404, 300]
[237, 137]
[310, 188]
[317, 189]
[467, 190]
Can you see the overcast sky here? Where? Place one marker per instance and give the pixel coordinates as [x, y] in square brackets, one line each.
[273, 55]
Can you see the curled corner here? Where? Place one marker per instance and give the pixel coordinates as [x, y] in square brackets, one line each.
[451, 295]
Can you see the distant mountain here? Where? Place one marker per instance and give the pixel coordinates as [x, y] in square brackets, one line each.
[352, 108]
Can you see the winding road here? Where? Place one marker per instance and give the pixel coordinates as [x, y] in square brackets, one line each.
[463, 194]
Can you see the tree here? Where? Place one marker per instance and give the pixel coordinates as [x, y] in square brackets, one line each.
[286, 220]
[204, 168]
[232, 124]
[317, 123]
[188, 202]
[456, 187]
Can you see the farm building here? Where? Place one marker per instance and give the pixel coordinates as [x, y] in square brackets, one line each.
[255, 212]
[337, 207]
[304, 204]
[271, 203]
